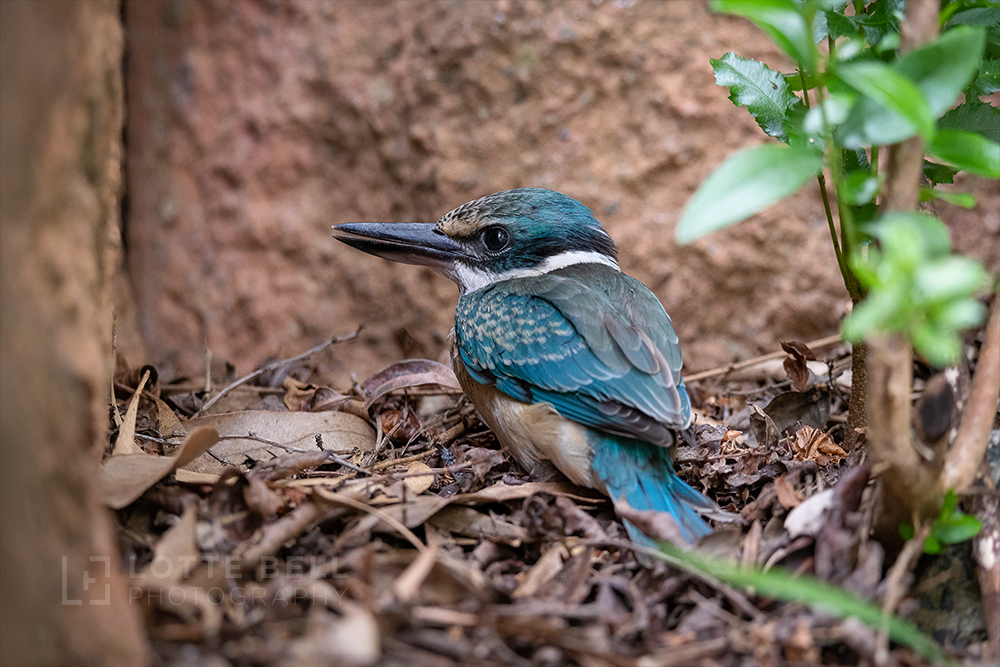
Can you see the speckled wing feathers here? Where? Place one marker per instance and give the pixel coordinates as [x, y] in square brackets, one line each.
[595, 344]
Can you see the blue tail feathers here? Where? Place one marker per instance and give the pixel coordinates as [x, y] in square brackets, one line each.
[643, 475]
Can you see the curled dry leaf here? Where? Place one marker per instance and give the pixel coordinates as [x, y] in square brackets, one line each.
[409, 373]
[813, 444]
[297, 394]
[482, 460]
[125, 477]
[125, 444]
[795, 364]
[787, 495]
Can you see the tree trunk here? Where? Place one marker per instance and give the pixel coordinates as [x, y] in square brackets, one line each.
[63, 599]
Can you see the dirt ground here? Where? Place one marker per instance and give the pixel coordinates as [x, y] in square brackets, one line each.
[254, 125]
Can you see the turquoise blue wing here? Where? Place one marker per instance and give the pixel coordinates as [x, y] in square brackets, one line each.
[597, 346]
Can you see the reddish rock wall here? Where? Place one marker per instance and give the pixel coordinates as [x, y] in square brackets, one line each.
[254, 125]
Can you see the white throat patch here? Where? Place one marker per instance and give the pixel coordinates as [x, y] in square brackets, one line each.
[470, 279]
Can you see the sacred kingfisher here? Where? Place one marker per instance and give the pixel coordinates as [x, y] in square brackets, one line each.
[565, 357]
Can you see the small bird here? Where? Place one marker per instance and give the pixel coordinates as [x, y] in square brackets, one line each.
[565, 357]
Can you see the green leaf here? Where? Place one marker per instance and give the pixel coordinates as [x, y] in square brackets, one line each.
[838, 25]
[940, 346]
[963, 199]
[949, 278]
[939, 173]
[932, 545]
[906, 531]
[951, 525]
[746, 183]
[926, 233]
[967, 151]
[944, 67]
[957, 529]
[760, 89]
[782, 21]
[894, 92]
[859, 188]
[963, 314]
[987, 17]
[882, 18]
[988, 80]
[834, 110]
[937, 71]
[978, 117]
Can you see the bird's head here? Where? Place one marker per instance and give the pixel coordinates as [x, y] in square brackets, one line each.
[511, 234]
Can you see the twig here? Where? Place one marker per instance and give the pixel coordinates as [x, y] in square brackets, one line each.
[396, 524]
[723, 370]
[894, 588]
[965, 459]
[389, 476]
[383, 465]
[274, 365]
[287, 527]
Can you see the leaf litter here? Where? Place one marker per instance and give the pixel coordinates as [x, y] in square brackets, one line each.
[381, 524]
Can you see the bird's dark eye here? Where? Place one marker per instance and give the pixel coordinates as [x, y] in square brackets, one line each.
[495, 239]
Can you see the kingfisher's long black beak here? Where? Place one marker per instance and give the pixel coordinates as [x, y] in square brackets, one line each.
[408, 242]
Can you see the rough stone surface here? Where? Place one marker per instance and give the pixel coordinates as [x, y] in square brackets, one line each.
[255, 125]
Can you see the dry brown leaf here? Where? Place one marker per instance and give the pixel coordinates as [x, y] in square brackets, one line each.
[409, 373]
[297, 394]
[472, 523]
[411, 514]
[125, 443]
[657, 525]
[350, 639]
[407, 585]
[811, 443]
[175, 556]
[423, 477]
[795, 364]
[545, 568]
[262, 499]
[264, 435]
[787, 495]
[167, 422]
[124, 478]
[809, 517]
[499, 493]
[191, 477]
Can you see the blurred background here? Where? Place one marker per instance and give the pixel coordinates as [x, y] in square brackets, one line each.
[253, 125]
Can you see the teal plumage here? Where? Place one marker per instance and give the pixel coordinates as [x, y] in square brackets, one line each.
[564, 356]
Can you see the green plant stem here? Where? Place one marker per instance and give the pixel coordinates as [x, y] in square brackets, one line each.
[857, 410]
[873, 163]
[821, 179]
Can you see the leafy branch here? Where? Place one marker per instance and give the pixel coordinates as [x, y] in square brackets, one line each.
[904, 91]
